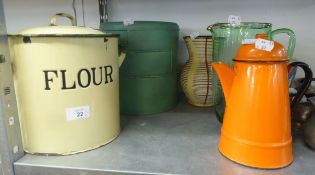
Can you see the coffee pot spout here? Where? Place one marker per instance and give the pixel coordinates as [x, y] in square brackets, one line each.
[226, 76]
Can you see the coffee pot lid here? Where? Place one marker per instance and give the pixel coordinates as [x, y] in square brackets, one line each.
[261, 49]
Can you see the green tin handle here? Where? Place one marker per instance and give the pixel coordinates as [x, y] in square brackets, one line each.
[209, 28]
[292, 39]
[121, 58]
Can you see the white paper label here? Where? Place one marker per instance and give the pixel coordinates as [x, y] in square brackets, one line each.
[292, 91]
[263, 44]
[128, 22]
[78, 113]
[235, 20]
[15, 149]
[194, 35]
[248, 41]
[11, 121]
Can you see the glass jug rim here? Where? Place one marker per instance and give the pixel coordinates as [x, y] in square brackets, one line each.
[199, 37]
[251, 25]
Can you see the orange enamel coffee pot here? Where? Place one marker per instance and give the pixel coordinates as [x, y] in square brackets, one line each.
[256, 129]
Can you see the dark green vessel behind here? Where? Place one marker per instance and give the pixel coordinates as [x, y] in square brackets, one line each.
[148, 76]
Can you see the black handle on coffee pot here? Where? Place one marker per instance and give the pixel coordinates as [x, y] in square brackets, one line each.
[305, 85]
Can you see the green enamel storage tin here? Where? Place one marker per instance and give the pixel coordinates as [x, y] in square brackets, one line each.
[148, 76]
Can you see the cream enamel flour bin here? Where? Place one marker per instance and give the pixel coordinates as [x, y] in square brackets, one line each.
[66, 81]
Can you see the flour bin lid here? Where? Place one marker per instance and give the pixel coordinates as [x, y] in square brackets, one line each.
[54, 30]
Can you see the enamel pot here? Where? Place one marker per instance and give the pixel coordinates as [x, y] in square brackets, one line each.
[66, 81]
[256, 130]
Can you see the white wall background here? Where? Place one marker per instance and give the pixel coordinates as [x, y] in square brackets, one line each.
[191, 15]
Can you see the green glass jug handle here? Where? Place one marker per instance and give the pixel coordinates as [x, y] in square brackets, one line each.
[305, 85]
[292, 39]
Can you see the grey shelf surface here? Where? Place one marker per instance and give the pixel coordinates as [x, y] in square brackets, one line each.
[181, 141]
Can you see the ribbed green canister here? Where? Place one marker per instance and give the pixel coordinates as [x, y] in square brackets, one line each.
[148, 81]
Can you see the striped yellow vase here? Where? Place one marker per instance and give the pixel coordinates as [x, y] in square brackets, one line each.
[197, 74]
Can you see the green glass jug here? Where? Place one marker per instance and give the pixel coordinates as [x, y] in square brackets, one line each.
[227, 38]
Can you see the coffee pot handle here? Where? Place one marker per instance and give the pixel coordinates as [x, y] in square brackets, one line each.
[292, 39]
[305, 85]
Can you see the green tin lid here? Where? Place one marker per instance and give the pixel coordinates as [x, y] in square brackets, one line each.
[140, 25]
